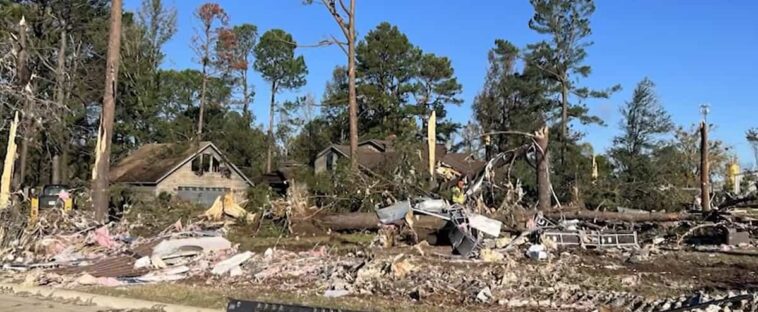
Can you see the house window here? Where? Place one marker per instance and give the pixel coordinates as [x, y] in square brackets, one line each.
[204, 163]
[329, 161]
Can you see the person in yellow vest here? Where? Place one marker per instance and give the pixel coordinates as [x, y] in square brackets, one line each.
[458, 196]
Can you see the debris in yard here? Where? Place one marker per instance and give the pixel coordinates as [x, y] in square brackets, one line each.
[143, 262]
[169, 247]
[73, 251]
[225, 205]
[231, 263]
[735, 237]
[103, 238]
[537, 252]
[484, 295]
[485, 225]
[401, 266]
[336, 293]
[89, 280]
[394, 213]
[419, 248]
[165, 275]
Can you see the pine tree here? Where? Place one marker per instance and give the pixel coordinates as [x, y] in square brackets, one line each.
[567, 23]
[276, 61]
[644, 120]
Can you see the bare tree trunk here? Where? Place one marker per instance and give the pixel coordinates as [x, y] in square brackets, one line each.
[353, 102]
[543, 169]
[245, 107]
[23, 156]
[705, 170]
[23, 77]
[56, 179]
[65, 148]
[205, 87]
[60, 78]
[10, 155]
[564, 120]
[269, 154]
[105, 133]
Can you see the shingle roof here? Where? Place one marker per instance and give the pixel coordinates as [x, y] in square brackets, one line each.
[463, 163]
[368, 159]
[151, 162]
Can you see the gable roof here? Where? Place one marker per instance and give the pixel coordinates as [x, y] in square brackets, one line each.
[381, 145]
[152, 163]
[464, 163]
[366, 159]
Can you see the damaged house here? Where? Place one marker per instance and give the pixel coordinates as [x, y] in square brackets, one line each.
[373, 154]
[196, 172]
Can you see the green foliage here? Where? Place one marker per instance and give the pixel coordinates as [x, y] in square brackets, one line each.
[243, 146]
[403, 175]
[511, 100]
[148, 216]
[752, 137]
[398, 84]
[276, 61]
[567, 23]
[643, 121]
[259, 198]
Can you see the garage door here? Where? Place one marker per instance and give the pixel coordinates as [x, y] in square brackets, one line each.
[200, 195]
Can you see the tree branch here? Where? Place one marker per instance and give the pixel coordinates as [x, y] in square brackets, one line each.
[344, 7]
[337, 17]
[526, 134]
[340, 44]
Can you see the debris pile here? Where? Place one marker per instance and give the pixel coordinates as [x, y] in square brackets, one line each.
[550, 264]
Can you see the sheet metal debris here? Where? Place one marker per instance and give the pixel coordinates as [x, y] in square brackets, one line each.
[593, 239]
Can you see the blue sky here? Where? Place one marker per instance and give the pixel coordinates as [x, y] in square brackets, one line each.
[696, 51]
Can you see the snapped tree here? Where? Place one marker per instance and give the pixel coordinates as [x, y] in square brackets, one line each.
[105, 132]
[235, 48]
[345, 19]
[210, 14]
[752, 138]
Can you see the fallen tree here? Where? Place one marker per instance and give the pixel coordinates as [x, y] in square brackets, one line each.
[625, 217]
[368, 221]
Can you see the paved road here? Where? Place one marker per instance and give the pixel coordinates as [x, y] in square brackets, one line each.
[9, 303]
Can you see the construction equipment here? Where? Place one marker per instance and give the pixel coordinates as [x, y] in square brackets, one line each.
[52, 196]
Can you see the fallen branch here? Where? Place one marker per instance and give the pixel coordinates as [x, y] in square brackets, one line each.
[692, 230]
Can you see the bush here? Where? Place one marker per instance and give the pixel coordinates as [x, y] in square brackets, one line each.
[259, 197]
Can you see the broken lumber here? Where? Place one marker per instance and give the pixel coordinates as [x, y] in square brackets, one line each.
[225, 205]
[10, 158]
[626, 217]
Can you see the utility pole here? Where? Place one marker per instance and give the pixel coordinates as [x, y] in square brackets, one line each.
[105, 132]
[705, 191]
